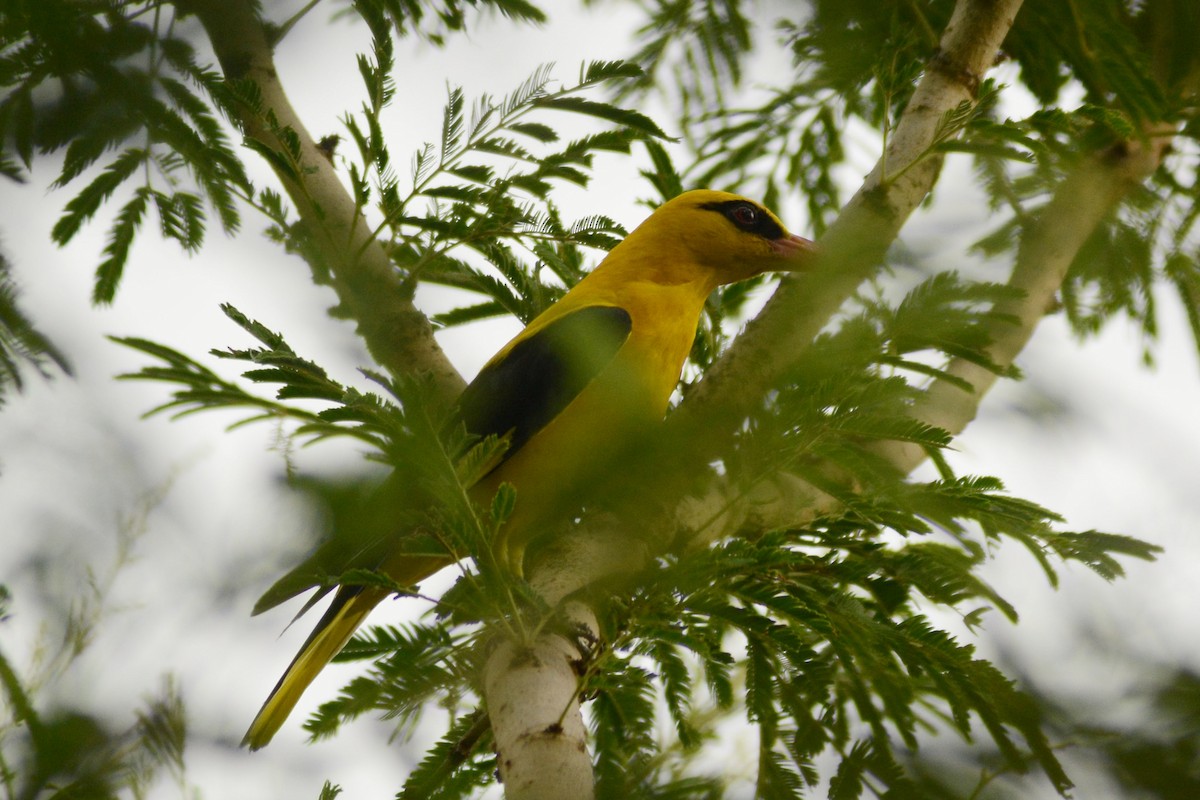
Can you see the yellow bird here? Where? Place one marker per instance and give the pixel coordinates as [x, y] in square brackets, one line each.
[575, 386]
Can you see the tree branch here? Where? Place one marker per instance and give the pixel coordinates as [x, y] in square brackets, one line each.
[532, 688]
[855, 244]
[1079, 206]
[1081, 203]
[541, 741]
[398, 336]
[851, 251]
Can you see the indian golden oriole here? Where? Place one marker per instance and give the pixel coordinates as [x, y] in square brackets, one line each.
[579, 382]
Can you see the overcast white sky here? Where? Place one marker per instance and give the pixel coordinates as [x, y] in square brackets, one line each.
[77, 464]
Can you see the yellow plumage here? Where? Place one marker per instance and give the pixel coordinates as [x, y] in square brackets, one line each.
[578, 383]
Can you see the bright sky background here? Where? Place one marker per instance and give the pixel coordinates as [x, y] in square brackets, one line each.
[217, 522]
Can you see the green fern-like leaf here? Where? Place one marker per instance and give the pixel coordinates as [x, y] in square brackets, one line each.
[622, 116]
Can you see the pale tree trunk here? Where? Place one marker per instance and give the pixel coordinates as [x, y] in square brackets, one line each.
[851, 251]
[541, 740]
[1081, 203]
[1090, 194]
[398, 336]
[531, 687]
[854, 245]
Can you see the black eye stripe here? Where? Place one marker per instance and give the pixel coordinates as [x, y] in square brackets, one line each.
[761, 222]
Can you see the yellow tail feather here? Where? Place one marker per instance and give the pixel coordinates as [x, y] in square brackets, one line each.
[326, 641]
[350, 607]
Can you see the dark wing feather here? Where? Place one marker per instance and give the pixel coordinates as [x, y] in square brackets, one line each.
[542, 374]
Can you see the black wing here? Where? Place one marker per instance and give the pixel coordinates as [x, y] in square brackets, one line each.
[542, 374]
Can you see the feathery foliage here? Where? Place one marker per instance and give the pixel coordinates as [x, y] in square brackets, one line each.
[119, 80]
[483, 189]
[823, 636]
[20, 342]
[50, 751]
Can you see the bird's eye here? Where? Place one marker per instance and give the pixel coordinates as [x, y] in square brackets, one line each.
[748, 217]
[744, 215]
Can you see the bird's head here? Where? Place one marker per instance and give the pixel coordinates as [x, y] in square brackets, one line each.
[732, 237]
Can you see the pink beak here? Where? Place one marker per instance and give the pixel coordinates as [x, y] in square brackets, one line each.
[796, 249]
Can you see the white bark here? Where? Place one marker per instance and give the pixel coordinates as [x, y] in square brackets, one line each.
[1078, 208]
[541, 742]
[851, 251]
[531, 689]
[854, 245]
[399, 336]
